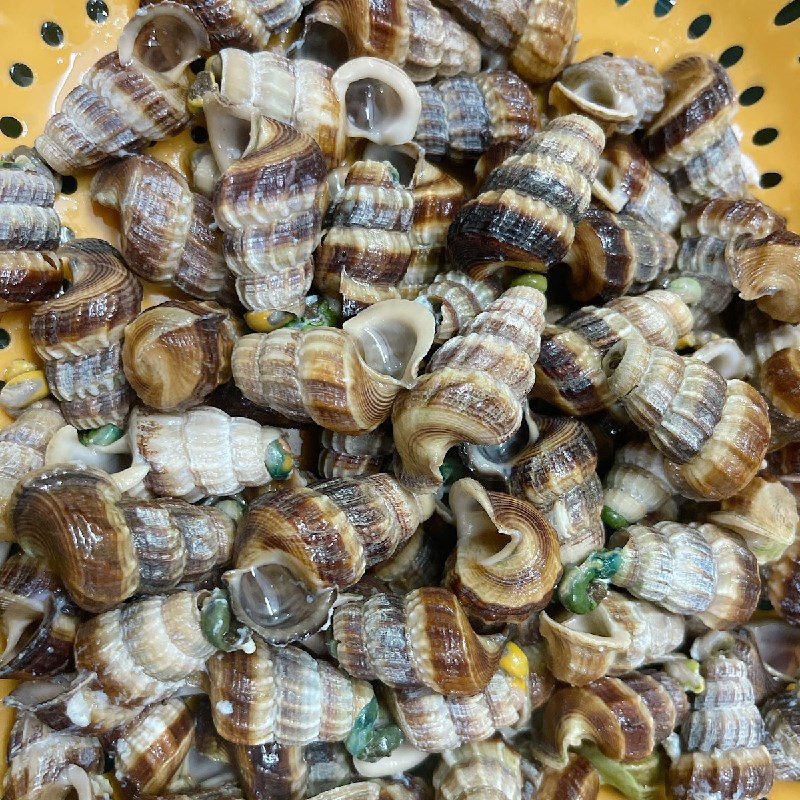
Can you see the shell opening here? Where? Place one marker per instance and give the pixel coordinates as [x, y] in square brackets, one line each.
[324, 43]
[276, 604]
[608, 186]
[404, 161]
[498, 459]
[392, 337]
[597, 92]
[778, 644]
[380, 100]
[76, 783]
[230, 132]
[18, 627]
[164, 38]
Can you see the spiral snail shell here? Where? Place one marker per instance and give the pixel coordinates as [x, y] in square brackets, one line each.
[480, 769]
[344, 456]
[78, 334]
[782, 739]
[131, 97]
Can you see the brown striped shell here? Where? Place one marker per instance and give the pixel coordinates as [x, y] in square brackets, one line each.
[479, 771]
[148, 751]
[267, 249]
[626, 717]
[579, 780]
[282, 695]
[43, 763]
[722, 739]
[422, 639]
[506, 560]
[766, 270]
[620, 94]
[175, 354]
[783, 584]
[270, 770]
[78, 334]
[413, 34]
[627, 182]
[778, 379]
[345, 456]
[570, 373]
[106, 549]
[713, 434]
[38, 621]
[619, 635]
[345, 380]
[616, 254]
[145, 77]
[168, 232]
[699, 571]
[145, 650]
[692, 139]
[434, 723]
[22, 449]
[782, 737]
[464, 117]
[526, 213]
[203, 452]
[296, 546]
[473, 388]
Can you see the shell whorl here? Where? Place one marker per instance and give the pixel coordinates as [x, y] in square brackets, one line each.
[282, 695]
[473, 388]
[782, 739]
[528, 207]
[481, 770]
[78, 334]
[422, 639]
[345, 456]
[168, 232]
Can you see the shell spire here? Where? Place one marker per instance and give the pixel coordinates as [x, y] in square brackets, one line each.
[481, 769]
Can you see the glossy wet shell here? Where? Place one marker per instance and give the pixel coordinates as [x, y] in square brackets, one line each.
[481, 770]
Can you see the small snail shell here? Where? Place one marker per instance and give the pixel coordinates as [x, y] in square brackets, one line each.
[22, 449]
[146, 650]
[344, 380]
[783, 583]
[506, 561]
[271, 770]
[148, 751]
[480, 769]
[168, 232]
[145, 76]
[782, 739]
[414, 565]
[528, 207]
[78, 334]
[47, 763]
[473, 388]
[282, 695]
[440, 650]
[627, 182]
[619, 635]
[269, 205]
[344, 456]
[464, 117]
[721, 738]
[105, 548]
[766, 270]
[615, 254]
[177, 353]
[38, 620]
[626, 717]
[296, 546]
[621, 94]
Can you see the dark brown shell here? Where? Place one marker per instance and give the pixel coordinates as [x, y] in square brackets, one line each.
[270, 771]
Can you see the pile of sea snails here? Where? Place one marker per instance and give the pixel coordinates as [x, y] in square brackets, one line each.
[463, 463]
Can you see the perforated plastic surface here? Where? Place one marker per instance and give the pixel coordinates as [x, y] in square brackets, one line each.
[46, 46]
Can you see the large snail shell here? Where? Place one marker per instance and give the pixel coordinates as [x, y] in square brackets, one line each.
[177, 353]
[168, 232]
[129, 98]
[479, 770]
[528, 207]
[546, 42]
[149, 750]
[619, 635]
[22, 449]
[506, 560]
[434, 723]
[38, 621]
[146, 650]
[614, 255]
[43, 763]
[621, 94]
[200, 453]
[296, 545]
[782, 723]
[423, 639]
[269, 204]
[283, 695]
[627, 182]
[473, 388]
[626, 717]
[78, 334]
[344, 380]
